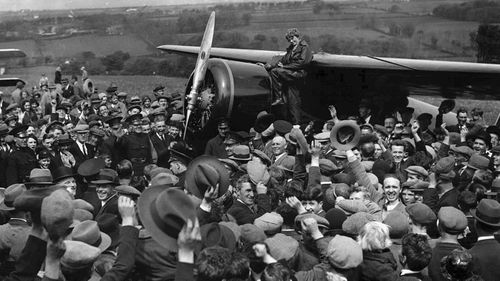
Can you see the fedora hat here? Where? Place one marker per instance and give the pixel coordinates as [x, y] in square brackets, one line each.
[163, 212]
[258, 172]
[40, 177]
[10, 195]
[79, 255]
[89, 233]
[241, 153]
[340, 136]
[180, 152]
[82, 205]
[203, 172]
[106, 176]
[64, 139]
[81, 128]
[262, 156]
[91, 167]
[63, 172]
[57, 213]
[488, 212]
[31, 200]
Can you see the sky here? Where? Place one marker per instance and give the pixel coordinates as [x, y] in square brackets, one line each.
[15, 5]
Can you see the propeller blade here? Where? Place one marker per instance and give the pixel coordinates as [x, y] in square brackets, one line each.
[200, 68]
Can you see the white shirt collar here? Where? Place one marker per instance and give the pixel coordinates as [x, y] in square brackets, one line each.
[481, 238]
[407, 271]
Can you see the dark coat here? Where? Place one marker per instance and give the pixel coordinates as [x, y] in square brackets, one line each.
[4, 159]
[161, 147]
[78, 154]
[244, 214]
[19, 165]
[30, 261]
[486, 259]
[440, 250]
[125, 259]
[378, 266]
[111, 207]
[153, 261]
[296, 59]
[137, 149]
[216, 147]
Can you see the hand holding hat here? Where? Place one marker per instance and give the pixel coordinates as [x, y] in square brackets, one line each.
[189, 237]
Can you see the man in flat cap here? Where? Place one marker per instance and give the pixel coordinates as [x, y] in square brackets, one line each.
[289, 69]
[22, 160]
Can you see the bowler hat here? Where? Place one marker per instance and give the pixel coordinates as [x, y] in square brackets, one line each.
[63, 172]
[163, 212]
[106, 176]
[205, 172]
[263, 122]
[91, 167]
[340, 136]
[487, 212]
[89, 233]
[241, 153]
[39, 177]
[11, 193]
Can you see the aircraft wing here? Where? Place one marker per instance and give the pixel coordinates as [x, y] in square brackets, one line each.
[11, 53]
[426, 77]
[243, 55]
[9, 82]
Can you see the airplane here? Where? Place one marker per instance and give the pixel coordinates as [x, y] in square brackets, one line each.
[228, 83]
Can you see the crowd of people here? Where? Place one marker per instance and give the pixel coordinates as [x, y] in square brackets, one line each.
[103, 187]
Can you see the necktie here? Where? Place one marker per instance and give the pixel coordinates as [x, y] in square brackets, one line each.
[84, 149]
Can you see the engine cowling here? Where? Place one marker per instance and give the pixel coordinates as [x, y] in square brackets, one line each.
[231, 89]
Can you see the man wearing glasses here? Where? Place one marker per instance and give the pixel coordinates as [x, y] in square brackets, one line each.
[22, 160]
[288, 70]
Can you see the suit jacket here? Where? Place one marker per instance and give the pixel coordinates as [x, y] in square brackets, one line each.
[78, 154]
[125, 259]
[161, 147]
[111, 206]
[30, 261]
[19, 165]
[244, 214]
[286, 160]
[486, 259]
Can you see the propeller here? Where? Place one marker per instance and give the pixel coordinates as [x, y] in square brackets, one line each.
[200, 68]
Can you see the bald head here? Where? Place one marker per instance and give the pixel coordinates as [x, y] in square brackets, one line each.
[278, 145]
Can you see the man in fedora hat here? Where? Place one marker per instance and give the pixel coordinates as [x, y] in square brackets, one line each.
[22, 160]
[13, 234]
[485, 252]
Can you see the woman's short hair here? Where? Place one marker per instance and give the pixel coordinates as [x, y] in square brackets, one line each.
[292, 32]
[374, 236]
